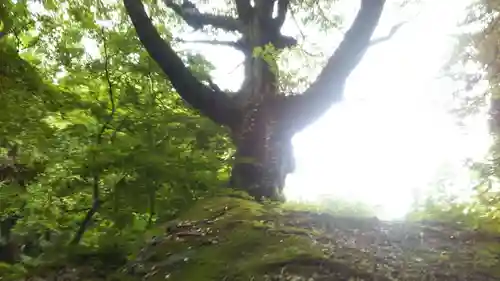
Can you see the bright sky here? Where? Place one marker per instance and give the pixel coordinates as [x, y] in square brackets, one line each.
[393, 133]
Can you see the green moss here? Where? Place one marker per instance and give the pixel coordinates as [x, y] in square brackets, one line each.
[238, 239]
[234, 238]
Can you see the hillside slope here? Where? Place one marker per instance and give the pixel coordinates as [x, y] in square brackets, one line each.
[229, 238]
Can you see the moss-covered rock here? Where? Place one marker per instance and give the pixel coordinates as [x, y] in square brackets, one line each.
[231, 238]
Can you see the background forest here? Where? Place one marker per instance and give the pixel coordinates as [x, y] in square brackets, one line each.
[96, 147]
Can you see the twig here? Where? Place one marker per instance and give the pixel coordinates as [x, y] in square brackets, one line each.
[301, 34]
[393, 31]
[211, 42]
[236, 67]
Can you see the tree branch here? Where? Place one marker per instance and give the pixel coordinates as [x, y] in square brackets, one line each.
[90, 214]
[282, 42]
[214, 104]
[282, 9]
[393, 31]
[189, 13]
[234, 44]
[389, 36]
[301, 110]
[244, 9]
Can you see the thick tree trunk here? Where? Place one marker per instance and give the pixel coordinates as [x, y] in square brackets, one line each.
[264, 153]
[262, 120]
[261, 169]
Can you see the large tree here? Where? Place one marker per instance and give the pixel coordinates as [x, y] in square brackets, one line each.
[262, 120]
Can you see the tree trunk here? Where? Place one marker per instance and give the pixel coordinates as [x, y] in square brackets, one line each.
[264, 153]
[262, 120]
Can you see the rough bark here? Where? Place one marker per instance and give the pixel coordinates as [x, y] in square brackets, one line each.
[261, 119]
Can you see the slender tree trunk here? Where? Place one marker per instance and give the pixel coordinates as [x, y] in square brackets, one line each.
[262, 120]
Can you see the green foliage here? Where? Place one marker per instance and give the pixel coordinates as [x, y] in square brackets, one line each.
[335, 206]
[94, 120]
[269, 54]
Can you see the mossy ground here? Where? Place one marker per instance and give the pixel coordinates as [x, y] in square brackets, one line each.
[234, 238]
[226, 238]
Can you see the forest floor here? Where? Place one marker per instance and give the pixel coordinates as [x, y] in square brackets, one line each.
[231, 238]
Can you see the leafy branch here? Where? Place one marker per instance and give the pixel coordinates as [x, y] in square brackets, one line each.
[96, 200]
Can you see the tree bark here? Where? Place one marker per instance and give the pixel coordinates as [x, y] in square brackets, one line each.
[261, 119]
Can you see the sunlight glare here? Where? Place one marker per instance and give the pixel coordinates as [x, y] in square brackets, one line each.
[393, 131]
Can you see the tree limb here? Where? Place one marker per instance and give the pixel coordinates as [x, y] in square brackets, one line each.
[214, 104]
[387, 37]
[393, 31]
[198, 20]
[282, 42]
[244, 9]
[283, 6]
[264, 8]
[301, 110]
[234, 44]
